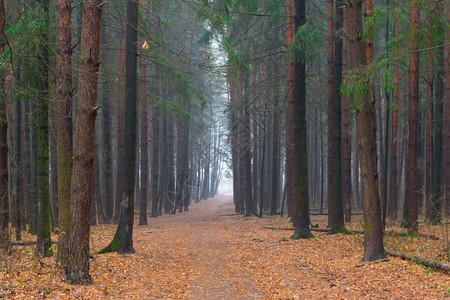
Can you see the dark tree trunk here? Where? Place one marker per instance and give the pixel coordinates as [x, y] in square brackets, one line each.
[43, 247]
[4, 203]
[16, 221]
[247, 150]
[256, 137]
[171, 167]
[76, 265]
[120, 117]
[155, 158]
[33, 207]
[412, 178]
[53, 131]
[275, 162]
[436, 158]
[428, 134]
[336, 221]
[144, 139]
[446, 122]
[5, 242]
[346, 139]
[330, 89]
[393, 208]
[300, 201]
[25, 157]
[366, 134]
[107, 57]
[125, 229]
[64, 119]
[290, 74]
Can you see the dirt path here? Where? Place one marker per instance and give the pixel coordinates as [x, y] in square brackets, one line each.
[210, 253]
[214, 271]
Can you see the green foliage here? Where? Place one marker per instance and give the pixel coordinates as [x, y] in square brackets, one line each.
[23, 51]
[170, 108]
[308, 39]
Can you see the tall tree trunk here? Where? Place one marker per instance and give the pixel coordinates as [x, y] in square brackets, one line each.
[5, 242]
[144, 137]
[346, 139]
[436, 156]
[130, 131]
[247, 144]
[76, 265]
[428, 134]
[43, 229]
[337, 209]
[155, 157]
[275, 161]
[256, 137]
[105, 164]
[64, 119]
[25, 157]
[53, 131]
[446, 122]
[330, 90]
[241, 147]
[33, 207]
[300, 201]
[366, 134]
[120, 117]
[412, 178]
[290, 74]
[393, 209]
[4, 203]
[17, 170]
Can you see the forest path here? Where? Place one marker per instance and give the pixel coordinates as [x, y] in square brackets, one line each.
[213, 269]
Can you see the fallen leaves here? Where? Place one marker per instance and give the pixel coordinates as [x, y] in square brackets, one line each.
[210, 252]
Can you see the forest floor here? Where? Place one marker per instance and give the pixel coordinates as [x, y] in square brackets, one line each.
[211, 253]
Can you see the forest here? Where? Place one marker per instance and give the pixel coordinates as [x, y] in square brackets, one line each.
[224, 149]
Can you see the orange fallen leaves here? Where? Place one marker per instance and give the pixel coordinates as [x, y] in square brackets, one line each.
[206, 254]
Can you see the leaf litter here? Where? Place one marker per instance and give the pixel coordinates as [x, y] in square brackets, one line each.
[211, 253]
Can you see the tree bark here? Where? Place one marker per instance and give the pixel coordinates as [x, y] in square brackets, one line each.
[412, 178]
[64, 119]
[5, 242]
[120, 119]
[330, 88]
[76, 265]
[393, 209]
[106, 124]
[43, 247]
[16, 221]
[366, 135]
[247, 144]
[130, 130]
[298, 140]
[290, 74]
[446, 122]
[144, 136]
[428, 134]
[346, 139]
[336, 221]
